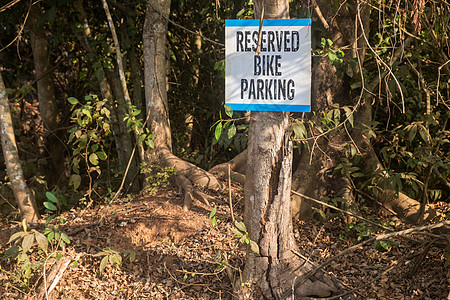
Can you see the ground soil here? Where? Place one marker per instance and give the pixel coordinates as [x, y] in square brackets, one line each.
[171, 254]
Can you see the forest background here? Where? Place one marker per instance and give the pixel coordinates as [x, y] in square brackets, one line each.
[91, 119]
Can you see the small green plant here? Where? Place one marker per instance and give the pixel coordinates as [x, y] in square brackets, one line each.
[247, 12]
[241, 232]
[385, 245]
[131, 255]
[212, 216]
[89, 136]
[228, 134]
[56, 237]
[156, 177]
[186, 273]
[359, 230]
[23, 244]
[53, 205]
[110, 256]
[134, 124]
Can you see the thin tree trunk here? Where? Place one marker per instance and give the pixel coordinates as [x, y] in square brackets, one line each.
[23, 195]
[122, 78]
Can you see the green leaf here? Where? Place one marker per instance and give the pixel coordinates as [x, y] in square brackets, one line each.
[424, 134]
[332, 55]
[322, 43]
[213, 212]
[132, 256]
[11, 252]
[228, 111]
[237, 232]
[115, 259]
[51, 236]
[218, 131]
[299, 130]
[412, 132]
[72, 100]
[27, 242]
[93, 158]
[41, 240]
[150, 143]
[75, 181]
[231, 131]
[142, 138]
[50, 196]
[103, 264]
[58, 256]
[65, 238]
[50, 206]
[94, 147]
[240, 13]
[321, 212]
[254, 247]
[102, 155]
[240, 226]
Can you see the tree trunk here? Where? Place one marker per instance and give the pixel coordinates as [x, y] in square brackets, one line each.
[155, 64]
[46, 96]
[272, 273]
[23, 195]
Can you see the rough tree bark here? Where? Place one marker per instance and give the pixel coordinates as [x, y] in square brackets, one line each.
[23, 195]
[272, 273]
[155, 66]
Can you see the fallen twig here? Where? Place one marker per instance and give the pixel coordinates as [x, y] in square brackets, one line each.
[341, 210]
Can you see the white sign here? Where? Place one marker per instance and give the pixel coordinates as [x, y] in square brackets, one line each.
[279, 78]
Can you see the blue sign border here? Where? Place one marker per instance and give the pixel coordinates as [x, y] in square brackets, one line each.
[269, 107]
[268, 22]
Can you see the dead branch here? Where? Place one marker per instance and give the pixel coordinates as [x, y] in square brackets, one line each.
[54, 276]
[341, 210]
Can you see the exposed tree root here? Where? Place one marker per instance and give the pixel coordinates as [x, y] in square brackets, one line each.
[237, 166]
[184, 185]
[188, 176]
[406, 208]
[195, 174]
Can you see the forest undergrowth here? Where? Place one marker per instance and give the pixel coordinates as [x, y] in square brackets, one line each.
[147, 247]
